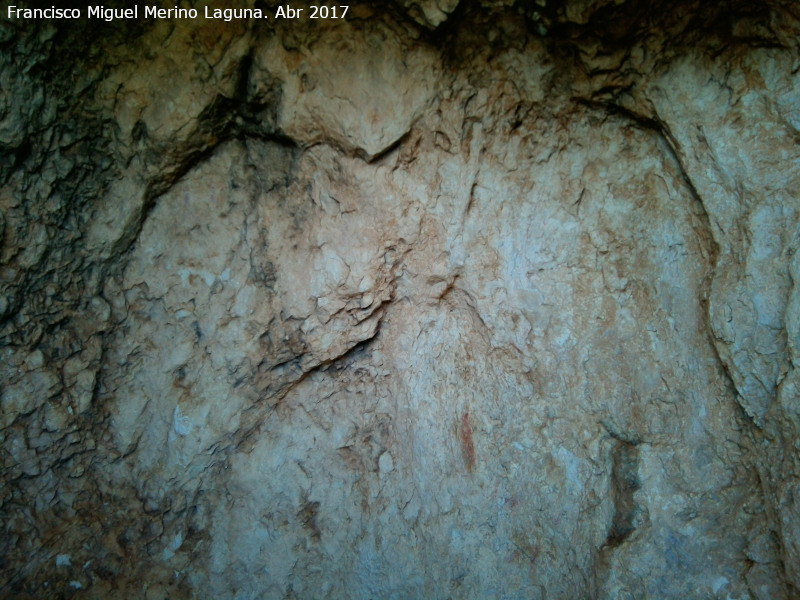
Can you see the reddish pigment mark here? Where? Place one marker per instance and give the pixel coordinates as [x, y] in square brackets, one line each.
[467, 445]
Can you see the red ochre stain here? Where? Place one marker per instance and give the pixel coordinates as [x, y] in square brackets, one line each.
[467, 445]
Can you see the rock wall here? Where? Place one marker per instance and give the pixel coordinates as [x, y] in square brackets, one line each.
[442, 300]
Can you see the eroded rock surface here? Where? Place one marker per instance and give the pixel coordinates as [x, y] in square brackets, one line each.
[447, 299]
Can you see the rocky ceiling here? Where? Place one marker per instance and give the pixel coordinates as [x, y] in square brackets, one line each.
[440, 300]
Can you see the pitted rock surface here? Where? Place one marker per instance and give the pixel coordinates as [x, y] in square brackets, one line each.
[444, 300]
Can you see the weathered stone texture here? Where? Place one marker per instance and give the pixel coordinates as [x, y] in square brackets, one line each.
[444, 300]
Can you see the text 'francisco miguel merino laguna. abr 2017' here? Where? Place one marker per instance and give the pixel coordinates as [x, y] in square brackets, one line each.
[154, 12]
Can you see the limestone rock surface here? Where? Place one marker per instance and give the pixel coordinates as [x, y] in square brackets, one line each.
[442, 300]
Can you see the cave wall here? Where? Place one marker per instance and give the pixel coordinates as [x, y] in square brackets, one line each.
[444, 299]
